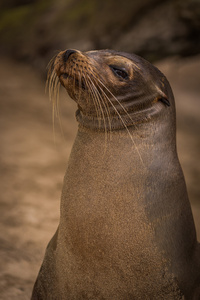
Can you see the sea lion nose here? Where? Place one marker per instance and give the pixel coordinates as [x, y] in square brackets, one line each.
[67, 54]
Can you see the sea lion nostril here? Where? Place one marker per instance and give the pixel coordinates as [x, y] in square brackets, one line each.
[67, 54]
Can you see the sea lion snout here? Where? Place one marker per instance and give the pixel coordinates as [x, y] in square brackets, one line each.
[68, 53]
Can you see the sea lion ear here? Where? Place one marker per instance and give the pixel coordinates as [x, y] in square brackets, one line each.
[162, 96]
[165, 101]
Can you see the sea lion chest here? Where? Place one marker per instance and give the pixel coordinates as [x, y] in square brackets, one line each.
[102, 188]
[110, 241]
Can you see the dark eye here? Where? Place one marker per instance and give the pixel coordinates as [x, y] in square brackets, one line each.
[119, 72]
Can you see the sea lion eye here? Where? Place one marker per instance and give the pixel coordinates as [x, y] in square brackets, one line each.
[119, 72]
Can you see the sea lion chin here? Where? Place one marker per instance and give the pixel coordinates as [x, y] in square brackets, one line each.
[126, 228]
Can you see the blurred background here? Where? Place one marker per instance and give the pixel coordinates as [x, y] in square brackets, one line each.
[33, 155]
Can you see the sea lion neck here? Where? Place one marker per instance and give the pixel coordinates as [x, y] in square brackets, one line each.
[126, 119]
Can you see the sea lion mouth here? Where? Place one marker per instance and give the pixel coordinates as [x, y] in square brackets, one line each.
[78, 84]
[64, 75]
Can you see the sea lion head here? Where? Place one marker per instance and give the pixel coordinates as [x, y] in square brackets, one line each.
[112, 89]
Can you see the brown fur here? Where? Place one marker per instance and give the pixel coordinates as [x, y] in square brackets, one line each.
[126, 229]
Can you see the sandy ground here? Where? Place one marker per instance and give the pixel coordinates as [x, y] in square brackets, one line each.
[33, 164]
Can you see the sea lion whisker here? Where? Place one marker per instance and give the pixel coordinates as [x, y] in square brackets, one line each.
[56, 95]
[126, 112]
[108, 92]
[56, 108]
[105, 104]
[74, 80]
[115, 99]
[125, 126]
[80, 83]
[104, 101]
[49, 82]
[89, 86]
[101, 109]
[95, 101]
[120, 104]
[51, 62]
[50, 67]
[128, 131]
[51, 91]
[99, 96]
[53, 85]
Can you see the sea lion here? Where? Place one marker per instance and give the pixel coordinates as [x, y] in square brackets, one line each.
[126, 228]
